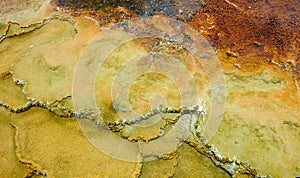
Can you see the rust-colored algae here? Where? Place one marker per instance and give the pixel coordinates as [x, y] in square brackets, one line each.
[252, 28]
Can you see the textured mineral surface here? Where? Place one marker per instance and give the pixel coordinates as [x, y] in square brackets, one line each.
[43, 132]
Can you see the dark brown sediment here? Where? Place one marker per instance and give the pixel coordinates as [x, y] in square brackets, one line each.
[256, 30]
[265, 28]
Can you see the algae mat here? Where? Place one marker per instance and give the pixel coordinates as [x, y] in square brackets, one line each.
[42, 43]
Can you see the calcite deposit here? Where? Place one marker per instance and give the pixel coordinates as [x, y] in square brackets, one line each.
[44, 132]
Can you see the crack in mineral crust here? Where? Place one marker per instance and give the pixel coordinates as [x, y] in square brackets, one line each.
[33, 168]
[138, 170]
[19, 44]
[66, 112]
[207, 150]
[147, 161]
[27, 29]
[22, 30]
[232, 166]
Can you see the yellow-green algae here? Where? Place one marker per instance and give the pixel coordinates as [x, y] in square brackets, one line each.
[11, 93]
[57, 147]
[10, 165]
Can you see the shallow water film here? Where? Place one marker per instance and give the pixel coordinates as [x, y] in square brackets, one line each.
[120, 88]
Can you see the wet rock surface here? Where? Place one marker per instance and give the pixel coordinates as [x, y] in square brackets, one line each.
[257, 43]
